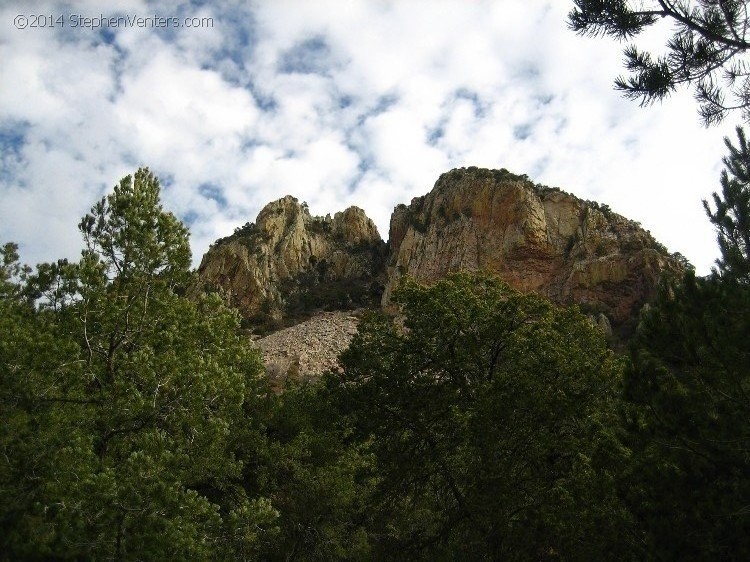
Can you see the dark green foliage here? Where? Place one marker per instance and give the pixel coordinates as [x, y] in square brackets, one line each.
[417, 223]
[731, 216]
[319, 226]
[317, 289]
[265, 321]
[573, 239]
[245, 230]
[488, 421]
[542, 190]
[130, 239]
[602, 208]
[313, 296]
[658, 246]
[34, 354]
[705, 50]
[247, 234]
[119, 400]
[501, 175]
[320, 483]
[687, 392]
[683, 261]
[688, 422]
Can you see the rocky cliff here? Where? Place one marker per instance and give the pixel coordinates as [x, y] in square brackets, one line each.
[536, 238]
[289, 263]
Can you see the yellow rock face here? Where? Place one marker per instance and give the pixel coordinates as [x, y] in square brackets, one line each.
[286, 248]
[536, 238]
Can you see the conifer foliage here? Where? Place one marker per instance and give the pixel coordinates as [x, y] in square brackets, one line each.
[687, 397]
[706, 50]
[487, 416]
[119, 398]
[731, 212]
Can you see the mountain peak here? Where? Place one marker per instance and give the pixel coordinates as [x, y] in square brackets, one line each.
[290, 264]
[536, 238]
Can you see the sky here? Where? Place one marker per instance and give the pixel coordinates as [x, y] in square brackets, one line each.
[339, 103]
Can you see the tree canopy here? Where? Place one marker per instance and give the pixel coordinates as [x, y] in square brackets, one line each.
[485, 414]
[479, 423]
[706, 51]
[120, 399]
[687, 412]
[730, 213]
[687, 396]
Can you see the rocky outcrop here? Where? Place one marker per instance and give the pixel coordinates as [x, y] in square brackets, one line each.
[308, 349]
[536, 238]
[289, 263]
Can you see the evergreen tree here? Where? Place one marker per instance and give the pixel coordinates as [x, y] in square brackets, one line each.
[130, 396]
[487, 415]
[34, 355]
[688, 395]
[706, 50]
[321, 482]
[731, 216]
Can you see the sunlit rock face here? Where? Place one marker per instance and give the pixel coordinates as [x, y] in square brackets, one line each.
[289, 264]
[288, 260]
[536, 238]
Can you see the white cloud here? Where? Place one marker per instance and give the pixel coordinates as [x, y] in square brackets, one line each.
[364, 102]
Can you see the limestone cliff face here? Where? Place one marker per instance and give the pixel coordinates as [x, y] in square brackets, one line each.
[288, 264]
[536, 238]
[289, 261]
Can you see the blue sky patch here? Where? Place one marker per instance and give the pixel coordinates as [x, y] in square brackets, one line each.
[435, 134]
[190, 217]
[107, 35]
[543, 99]
[312, 56]
[213, 191]
[264, 101]
[12, 141]
[345, 101]
[383, 104]
[480, 108]
[523, 131]
[13, 136]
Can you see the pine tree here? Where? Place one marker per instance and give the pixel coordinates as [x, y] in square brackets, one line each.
[687, 392]
[687, 395]
[123, 400]
[731, 216]
[486, 417]
[706, 50]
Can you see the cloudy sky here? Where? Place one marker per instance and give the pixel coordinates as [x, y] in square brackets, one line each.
[339, 103]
